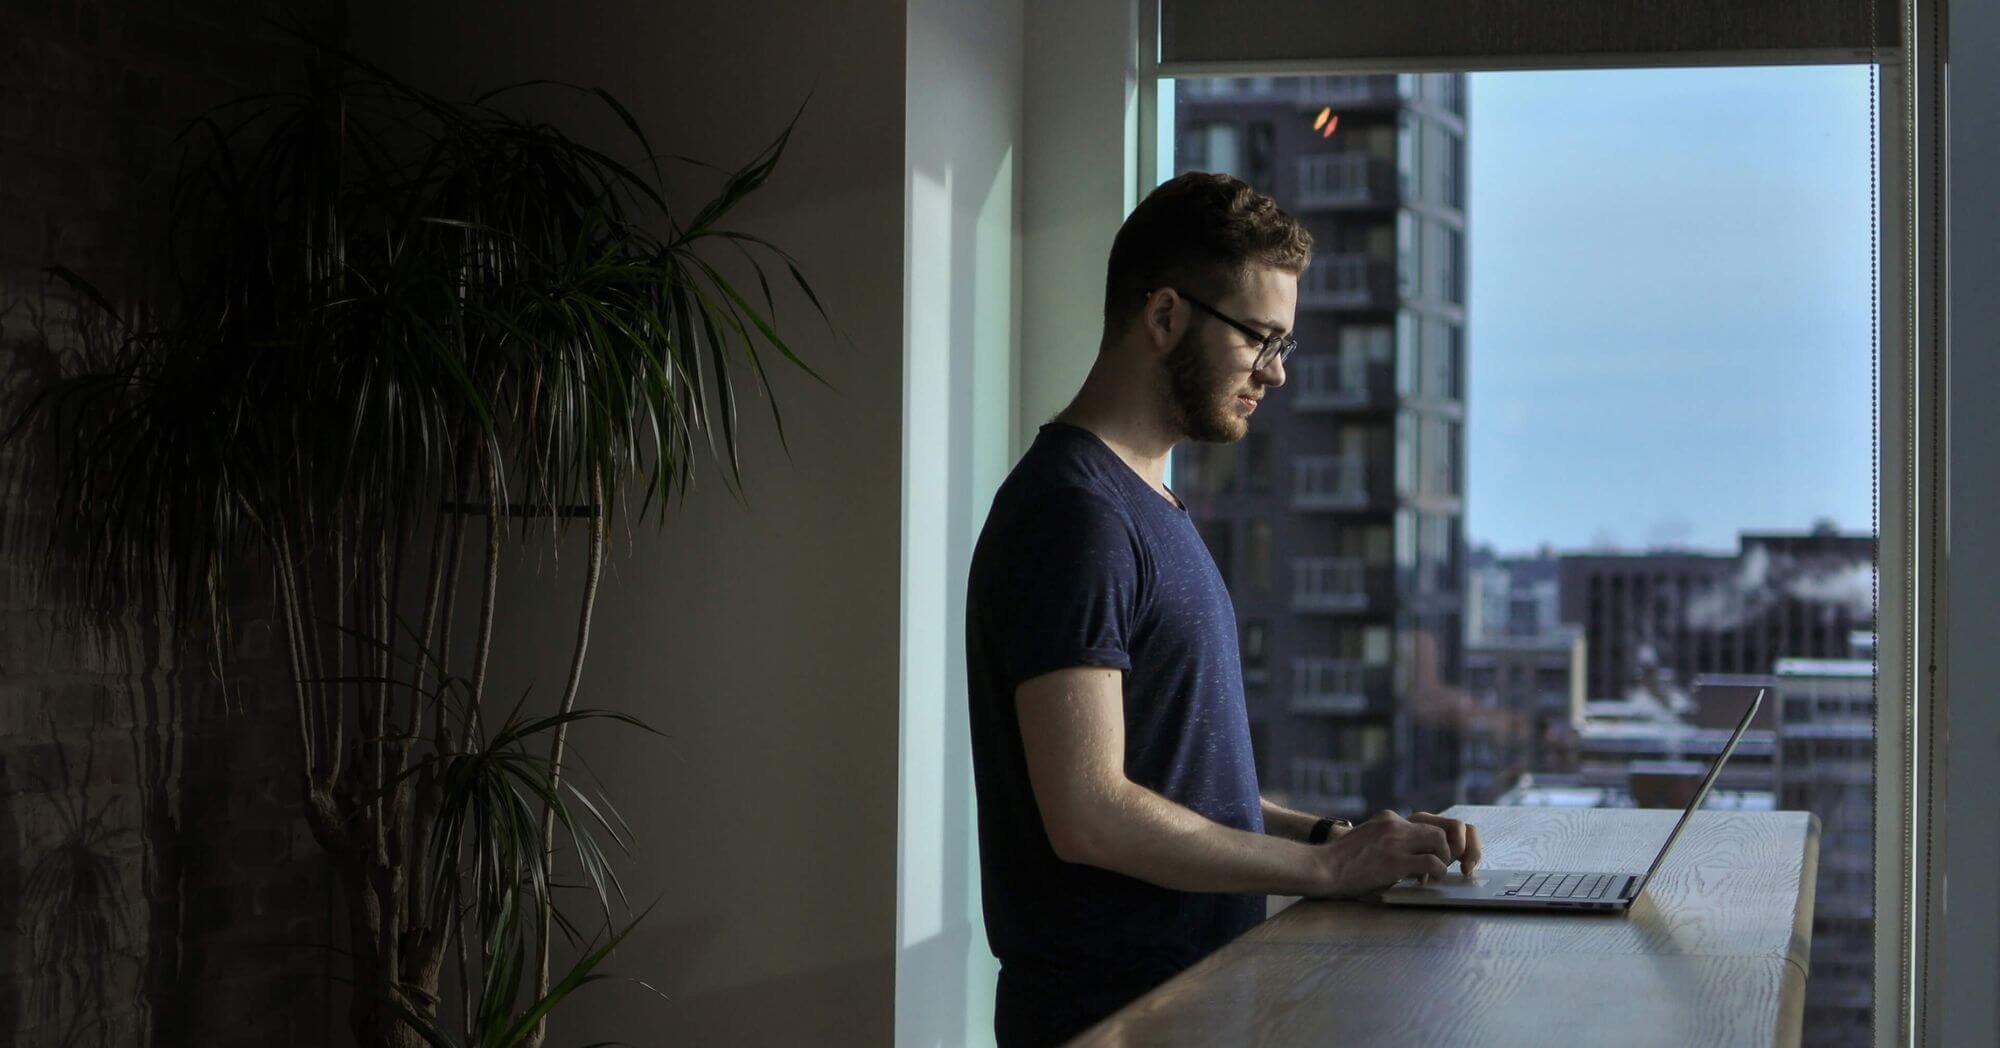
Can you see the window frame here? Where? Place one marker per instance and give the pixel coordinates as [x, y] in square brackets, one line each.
[1911, 618]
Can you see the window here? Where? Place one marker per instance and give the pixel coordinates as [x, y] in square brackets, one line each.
[1409, 254]
[1409, 331]
[1438, 382]
[1457, 362]
[1220, 536]
[1261, 157]
[1257, 468]
[1257, 557]
[1453, 263]
[1212, 146]
[1427, 441]
[1365, 344]
[1406, 455]
[1252, 645]
[1454, 173]
[1409, 155]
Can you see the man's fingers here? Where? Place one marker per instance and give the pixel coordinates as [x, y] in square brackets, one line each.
[1461, 839]
[1430, 840]
[1454, 831]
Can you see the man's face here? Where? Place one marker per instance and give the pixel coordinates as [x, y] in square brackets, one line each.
[1207, 372]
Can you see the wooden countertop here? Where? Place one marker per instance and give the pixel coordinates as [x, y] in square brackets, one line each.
[1713, 953]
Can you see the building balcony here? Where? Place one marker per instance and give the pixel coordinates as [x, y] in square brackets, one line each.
[1329, 482]
[1348, 281]
[1333, 382]
[1329, 584]
[1336, 181]
[1340, 687]
[1337, 584]
[1333, 787]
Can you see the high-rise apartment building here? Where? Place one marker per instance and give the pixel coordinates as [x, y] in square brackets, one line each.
[1337, 520]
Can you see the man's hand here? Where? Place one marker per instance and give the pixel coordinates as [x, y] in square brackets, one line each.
[1388, 848]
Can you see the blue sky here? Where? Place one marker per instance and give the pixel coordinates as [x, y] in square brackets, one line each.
[1668, 281]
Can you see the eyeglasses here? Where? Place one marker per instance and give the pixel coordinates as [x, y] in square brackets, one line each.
[1267, 345]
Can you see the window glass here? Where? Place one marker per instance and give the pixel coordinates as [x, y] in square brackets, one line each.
[1409, 329]
[1212, 146]
[1257, 557]
[1409, 147]
[1409, 252]
[1220, 535]
[1621, 278]
[1257, 462]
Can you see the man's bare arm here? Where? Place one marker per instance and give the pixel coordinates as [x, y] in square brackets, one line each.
[1290, 823]
[1073, 734]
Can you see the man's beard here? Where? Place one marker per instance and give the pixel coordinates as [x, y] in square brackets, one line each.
[1195, 397]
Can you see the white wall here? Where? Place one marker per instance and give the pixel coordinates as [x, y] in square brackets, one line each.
[962, 207]
[1081, 164]
[764, 639]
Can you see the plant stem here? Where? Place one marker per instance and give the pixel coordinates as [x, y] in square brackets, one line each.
[294, 644]
[486, 598]
[595, 570]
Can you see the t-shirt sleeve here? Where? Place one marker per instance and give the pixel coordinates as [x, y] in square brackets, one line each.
[1069, 593]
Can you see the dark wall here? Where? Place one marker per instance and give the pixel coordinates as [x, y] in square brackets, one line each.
[156, 884]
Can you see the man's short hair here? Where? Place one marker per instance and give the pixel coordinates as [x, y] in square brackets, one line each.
[1199, 232]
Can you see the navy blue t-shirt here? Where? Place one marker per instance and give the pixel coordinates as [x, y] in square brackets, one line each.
[1082, 563]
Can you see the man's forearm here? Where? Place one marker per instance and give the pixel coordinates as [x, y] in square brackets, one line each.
[1144, 835]
[1293, 825]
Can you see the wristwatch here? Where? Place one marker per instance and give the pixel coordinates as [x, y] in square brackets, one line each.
[1324, 828]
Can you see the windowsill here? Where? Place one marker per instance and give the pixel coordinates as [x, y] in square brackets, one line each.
[1715, 951]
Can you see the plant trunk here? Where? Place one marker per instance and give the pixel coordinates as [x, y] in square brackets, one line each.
[392, 959]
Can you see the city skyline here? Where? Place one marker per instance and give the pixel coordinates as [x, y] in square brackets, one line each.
[1668, 307]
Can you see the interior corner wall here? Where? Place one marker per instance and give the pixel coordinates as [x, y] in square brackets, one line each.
[962, 238]
[761, 638]
[1080, 153]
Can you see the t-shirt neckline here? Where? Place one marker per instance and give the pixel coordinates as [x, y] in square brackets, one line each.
[1177, 503]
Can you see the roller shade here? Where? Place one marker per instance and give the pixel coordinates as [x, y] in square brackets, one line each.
[1198, 36]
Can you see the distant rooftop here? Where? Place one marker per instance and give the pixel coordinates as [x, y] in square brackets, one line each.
[1532, 795]
[1824, 668]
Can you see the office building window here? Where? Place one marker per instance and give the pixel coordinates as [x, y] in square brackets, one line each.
[1257, 557]
[1409, 154]
[1406, 455]
[1453, 264]
[1252, 645]
[1454, 173]
[1257, 467]
[1457, 363]
[1260, 157]
[1436, 360]
[1215, 145]
[1409, 332]
[1220, 536]
[1409, 253]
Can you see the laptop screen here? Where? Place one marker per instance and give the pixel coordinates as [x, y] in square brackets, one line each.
[1702, 793]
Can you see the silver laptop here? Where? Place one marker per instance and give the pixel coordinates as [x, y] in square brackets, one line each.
[1558, 889]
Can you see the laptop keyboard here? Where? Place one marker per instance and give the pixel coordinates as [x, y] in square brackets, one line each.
[1562, 885]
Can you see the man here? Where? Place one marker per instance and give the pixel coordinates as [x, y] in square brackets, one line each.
[1121, 833]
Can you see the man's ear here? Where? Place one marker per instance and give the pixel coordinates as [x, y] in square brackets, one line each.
[1158, 321]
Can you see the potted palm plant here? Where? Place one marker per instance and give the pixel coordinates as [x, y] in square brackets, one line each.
[407, 330]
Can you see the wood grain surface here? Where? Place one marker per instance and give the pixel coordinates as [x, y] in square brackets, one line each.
[1714, 953]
